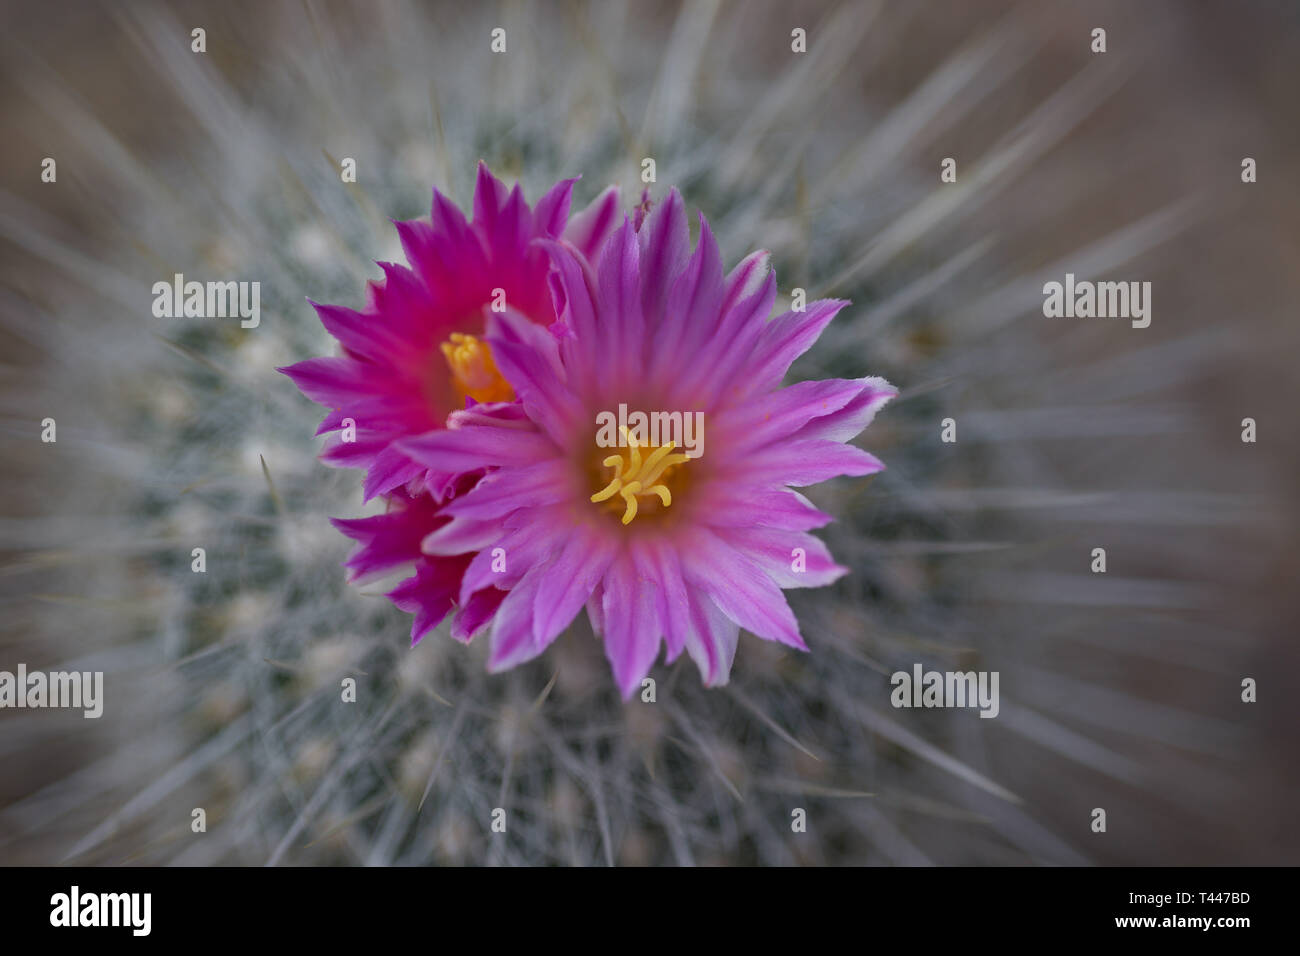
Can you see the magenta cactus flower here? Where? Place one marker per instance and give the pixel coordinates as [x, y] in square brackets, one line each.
[392, 540]
[604, 493]
[414, 353]
[414, 356]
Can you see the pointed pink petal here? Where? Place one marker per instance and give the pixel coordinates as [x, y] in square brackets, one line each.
[334, 381]
[631, 624]
[477, 446]
[848, 421]
[527, 355]
[693, 314]
[774, 551]
[724, 366]
[477, 614]
[512, 640]
[588, 229]
[390, 469]
[657, 561]
[460, 536]
[802, 463]
[501, 492]
[520, 550]
[574, 575]
[747, 278]
[776, 416]
[619, 300]
[665, 244]
[365, 335]
[711, 642]
[490, 195]
[552, 212]
[787, 337]
[427, 595]
[786, 510]
[576, 307]
[740, 589]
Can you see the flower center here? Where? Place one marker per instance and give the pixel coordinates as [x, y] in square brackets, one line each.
[473, 372]
[636, 476]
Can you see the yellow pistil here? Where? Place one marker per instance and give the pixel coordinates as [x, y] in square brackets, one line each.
[638, 476]
[473, 372]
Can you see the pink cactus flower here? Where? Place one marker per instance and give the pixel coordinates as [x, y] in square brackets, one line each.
[415, 353]
[662, 543]
[415, 356]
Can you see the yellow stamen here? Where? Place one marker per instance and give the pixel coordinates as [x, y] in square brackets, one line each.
[473, 372]
[638, 476]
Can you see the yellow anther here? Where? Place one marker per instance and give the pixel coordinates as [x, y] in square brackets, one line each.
[473, 372]
[639, 476]
[609, 491]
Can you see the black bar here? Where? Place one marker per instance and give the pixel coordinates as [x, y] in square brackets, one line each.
[331, 906]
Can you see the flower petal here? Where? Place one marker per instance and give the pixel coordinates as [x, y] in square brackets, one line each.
[552, 212]
[802, 463]
[787, 337]
[740, 589]
[428, 595]
[777, 552]
[574, 575]
[711, 642]
[782, 510]
[390, 469]
[657, 561]
[618, 302]
[477, 446]
[665, 243]
[490, 194]
[503, 560]
[847, 422]
[777, 415]
[334, 381]
[693, 313]
[746, 279]
[588, 230]
[631, 624]
[527, 355]
[477, 614]
[365, 335]
[512, 640]
[501, 492]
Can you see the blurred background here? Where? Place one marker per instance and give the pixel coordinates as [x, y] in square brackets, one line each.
[1119, 691]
